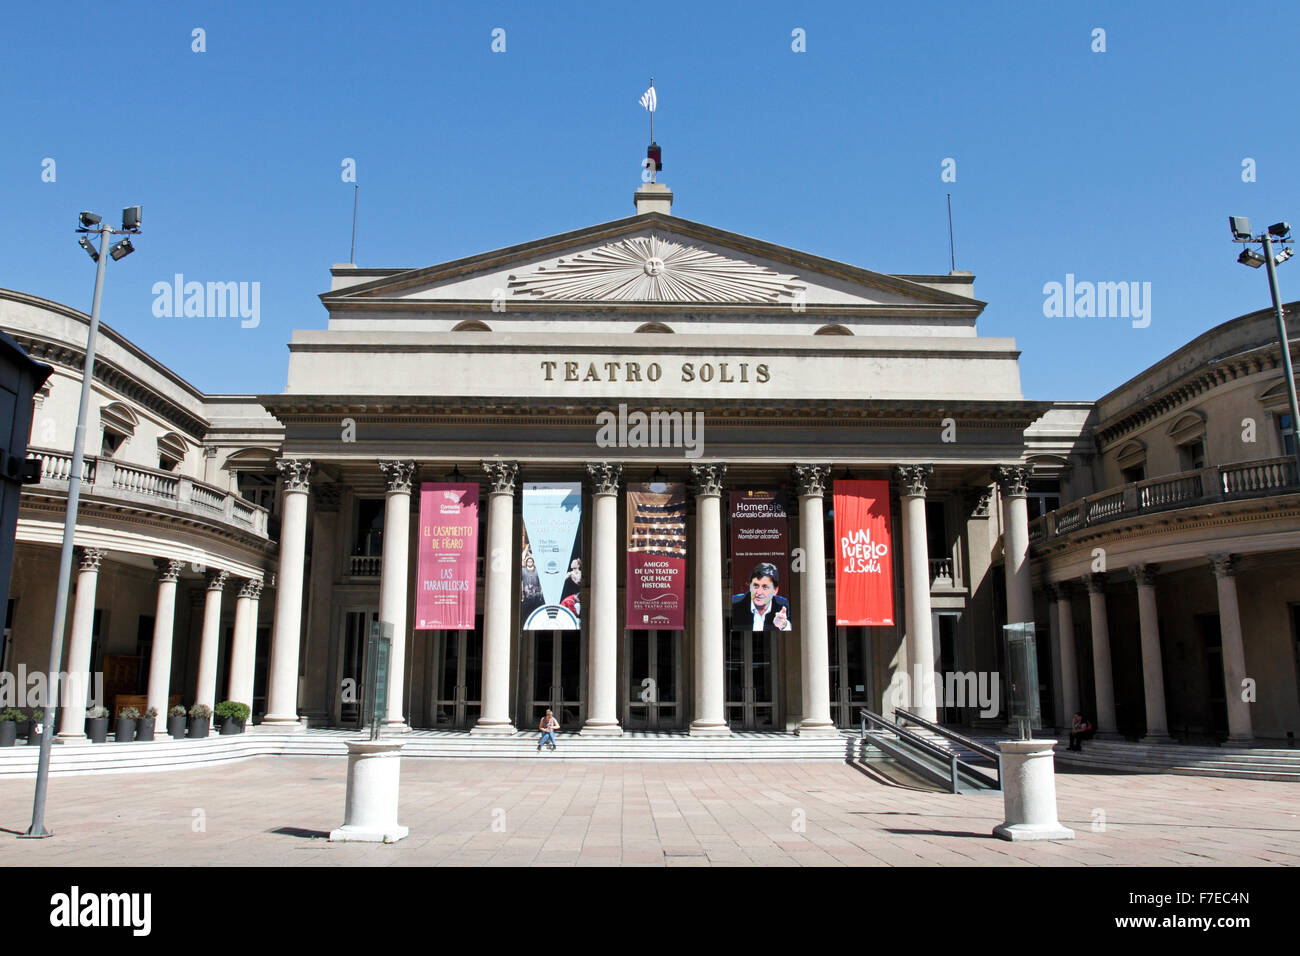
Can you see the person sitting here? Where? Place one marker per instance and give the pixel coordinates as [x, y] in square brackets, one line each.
[1080, 730]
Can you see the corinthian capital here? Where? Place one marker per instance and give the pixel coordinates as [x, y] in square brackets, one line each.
[502, 475]
[168, 569]
[605, 476]
[296, 472]
[1013, 480]
[399, 475]
[912, 479]
[708, 478]
[811, 480]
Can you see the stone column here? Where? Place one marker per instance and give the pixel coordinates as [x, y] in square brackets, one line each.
[1069, 658]
[1153, 675]
[1054, 638]
[164, 623]
[1013, 483]
[286, 633]
[243, 645]
[72, 715]
[811, 481]
[1234, 651]
[710, 649]
[393, 582]
[916, 590]
[205, 688]
[1101, 672]
[602, 633]
[498, 586]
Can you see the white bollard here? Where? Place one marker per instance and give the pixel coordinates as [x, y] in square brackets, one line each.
[374, 774]
[1029, 792]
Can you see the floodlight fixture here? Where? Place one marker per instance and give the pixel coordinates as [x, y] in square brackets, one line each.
[88, 219]
[1283, 256]
[122, 249]
[1240, 226]
[1249, 257]
[131, 218]
[90, 249]
[1280, 230]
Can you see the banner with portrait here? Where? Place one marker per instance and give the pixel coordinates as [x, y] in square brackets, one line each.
[760, 560]
[447, 556]
[656, 556]
[864, 560]
[550, 560]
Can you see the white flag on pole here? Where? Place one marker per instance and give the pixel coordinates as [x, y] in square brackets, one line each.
[649, 100]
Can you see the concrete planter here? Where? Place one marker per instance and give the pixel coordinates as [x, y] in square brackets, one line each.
[198, 726]
[176, 727]
[231, 726]
[23, 728]
[124, 730]
[34, 735]
[97, 729]
[145, 728]
[8, 733]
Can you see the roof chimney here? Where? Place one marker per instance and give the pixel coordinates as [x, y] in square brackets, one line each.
[653, 197]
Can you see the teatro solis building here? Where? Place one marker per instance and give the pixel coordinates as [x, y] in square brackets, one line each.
[583, 413]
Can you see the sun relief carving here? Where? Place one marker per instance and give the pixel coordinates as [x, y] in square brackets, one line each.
[651, 269]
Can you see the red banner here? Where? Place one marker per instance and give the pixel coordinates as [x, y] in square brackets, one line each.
[656, 556]
[864, 562]
[447, 562]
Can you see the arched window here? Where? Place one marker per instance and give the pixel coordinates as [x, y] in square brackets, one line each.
[1132, 461]
[117, 423]
[171, 451]
[655, 327]
[833, 330]
[471, 325]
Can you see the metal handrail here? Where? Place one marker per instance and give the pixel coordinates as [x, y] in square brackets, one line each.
[954, 762]
[982, 749]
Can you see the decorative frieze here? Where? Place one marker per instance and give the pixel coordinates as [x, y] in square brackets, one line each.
[707, 479]
[502, 476]
[912, 479]
[399, 475]
[605, 476]
[811, 480]
[296, 472]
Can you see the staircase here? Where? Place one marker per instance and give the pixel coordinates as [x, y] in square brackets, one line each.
[1243, 763]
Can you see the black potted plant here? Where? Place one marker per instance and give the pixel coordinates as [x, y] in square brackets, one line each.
[97, 724]
[232, 715]
[200, 719]
[9, 718]
[125, 729]
[24, 724]
[176, 722]
[148, 720]
[35, 727]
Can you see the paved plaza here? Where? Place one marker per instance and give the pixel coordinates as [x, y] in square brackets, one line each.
[277, 810]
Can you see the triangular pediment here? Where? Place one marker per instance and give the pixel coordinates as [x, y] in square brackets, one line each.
[652, 259]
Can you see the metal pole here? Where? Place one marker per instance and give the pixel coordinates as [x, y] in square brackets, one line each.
[37, 829]
[1287, 373]
[352, 256]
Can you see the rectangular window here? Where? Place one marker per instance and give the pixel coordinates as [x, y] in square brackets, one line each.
[1136, 473]
[1044, 496]
[1192, 455]
[1286, 432]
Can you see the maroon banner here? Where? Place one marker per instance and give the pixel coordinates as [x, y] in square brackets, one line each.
[760, 560]
[864, 562]
[447, 562]
[656, 556]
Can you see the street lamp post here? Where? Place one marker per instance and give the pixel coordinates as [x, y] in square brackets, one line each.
[1281, 234]
[90, 223]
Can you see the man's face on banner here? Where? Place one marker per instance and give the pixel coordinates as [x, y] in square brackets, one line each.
[761, 592]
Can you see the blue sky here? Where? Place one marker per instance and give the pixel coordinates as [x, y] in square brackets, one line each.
[1112, 166]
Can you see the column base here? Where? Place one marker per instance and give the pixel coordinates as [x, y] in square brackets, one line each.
[702, 728]
[817, 728]
[601, 729]
[1240, 741]
[70, 738]
[494, 728]
[1158, 738]
[281, 724]
[348, 834]
[391, 727]
[1016, 832]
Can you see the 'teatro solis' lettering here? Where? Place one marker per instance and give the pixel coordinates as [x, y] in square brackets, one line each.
[724, 372]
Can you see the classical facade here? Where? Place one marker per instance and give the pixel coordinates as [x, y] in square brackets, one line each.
[250, 542]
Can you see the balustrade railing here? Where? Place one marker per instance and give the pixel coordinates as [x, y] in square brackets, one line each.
[365, 565]
[1247, 479]
[106, 477]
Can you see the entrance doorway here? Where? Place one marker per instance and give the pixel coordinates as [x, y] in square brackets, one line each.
[654, 680]
[352, 666]
[751, 680]
[557, 678]
[457, 677]
[850, 671]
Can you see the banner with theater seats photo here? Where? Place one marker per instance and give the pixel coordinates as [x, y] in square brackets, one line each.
[656, 556]
[447, 557]
[550, 561]
[864, 560]
[760, 560]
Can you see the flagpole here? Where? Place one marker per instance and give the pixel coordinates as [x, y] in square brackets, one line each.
[652, 114]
